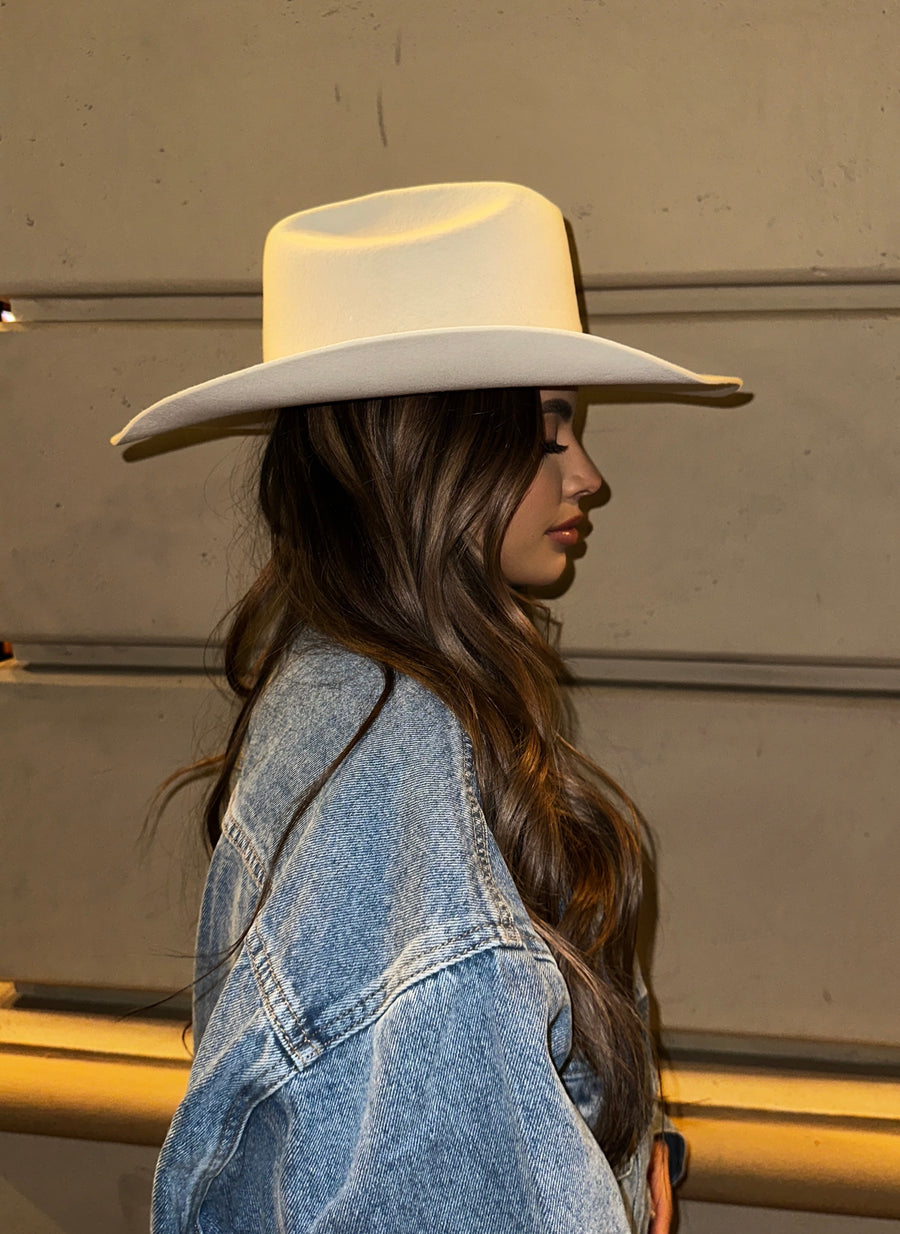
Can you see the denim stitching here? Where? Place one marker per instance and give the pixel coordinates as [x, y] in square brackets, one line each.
[372, 1004]
[417, 979]
[264, 973]
[235, 1127]
[269, 1008]
[244, 846]
[273, 975]
[270, 975]
[479, 825]
[372, 1007]
[383, 992]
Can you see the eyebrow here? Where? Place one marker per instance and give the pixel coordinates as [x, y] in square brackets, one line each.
[557, 407]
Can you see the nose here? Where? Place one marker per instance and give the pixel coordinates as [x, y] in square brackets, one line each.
[583, 478]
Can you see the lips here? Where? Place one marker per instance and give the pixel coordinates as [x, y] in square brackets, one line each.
[566, 534]
[567, 526]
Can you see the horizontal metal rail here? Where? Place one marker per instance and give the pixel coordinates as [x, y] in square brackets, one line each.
[772, 1135]
[800, 675]
[826, 291]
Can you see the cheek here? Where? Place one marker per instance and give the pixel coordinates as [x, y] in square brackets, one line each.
[527, 557]
[543, 498]
[537, 509]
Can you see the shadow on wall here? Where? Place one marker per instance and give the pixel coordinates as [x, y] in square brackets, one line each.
[95, 1186]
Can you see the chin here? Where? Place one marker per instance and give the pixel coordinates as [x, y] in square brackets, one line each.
[544, 576]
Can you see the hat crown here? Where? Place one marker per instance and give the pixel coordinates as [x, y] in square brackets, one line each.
[434, 257]
[438, 287]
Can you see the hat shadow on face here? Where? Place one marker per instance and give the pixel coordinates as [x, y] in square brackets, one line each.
[258, 424]
[596, 396]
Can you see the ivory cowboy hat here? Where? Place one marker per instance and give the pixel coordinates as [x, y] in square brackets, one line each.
[439, 287]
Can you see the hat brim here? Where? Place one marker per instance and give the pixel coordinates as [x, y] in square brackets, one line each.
[458, 358]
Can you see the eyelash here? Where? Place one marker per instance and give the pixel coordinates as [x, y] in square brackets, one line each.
[553, 447]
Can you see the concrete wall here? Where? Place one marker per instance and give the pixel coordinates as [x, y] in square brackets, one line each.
[729, 175]
[726, 138]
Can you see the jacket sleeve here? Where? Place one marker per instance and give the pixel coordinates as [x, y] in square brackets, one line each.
[445, 1114]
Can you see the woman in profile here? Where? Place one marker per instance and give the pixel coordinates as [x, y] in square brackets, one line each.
[416, 1004]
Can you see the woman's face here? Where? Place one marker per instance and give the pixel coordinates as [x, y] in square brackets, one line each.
[547, 519]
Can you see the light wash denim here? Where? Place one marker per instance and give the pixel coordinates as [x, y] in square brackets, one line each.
[388, 1052]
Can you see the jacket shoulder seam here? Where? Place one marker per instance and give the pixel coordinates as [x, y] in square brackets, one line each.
[349, 1021]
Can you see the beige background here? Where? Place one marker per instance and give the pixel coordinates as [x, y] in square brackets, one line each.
[721, 138]
[729, 173]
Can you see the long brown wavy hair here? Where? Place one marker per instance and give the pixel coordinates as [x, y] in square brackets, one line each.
[386, 518]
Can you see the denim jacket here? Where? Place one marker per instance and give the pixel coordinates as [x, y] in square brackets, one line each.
[388, 1052]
